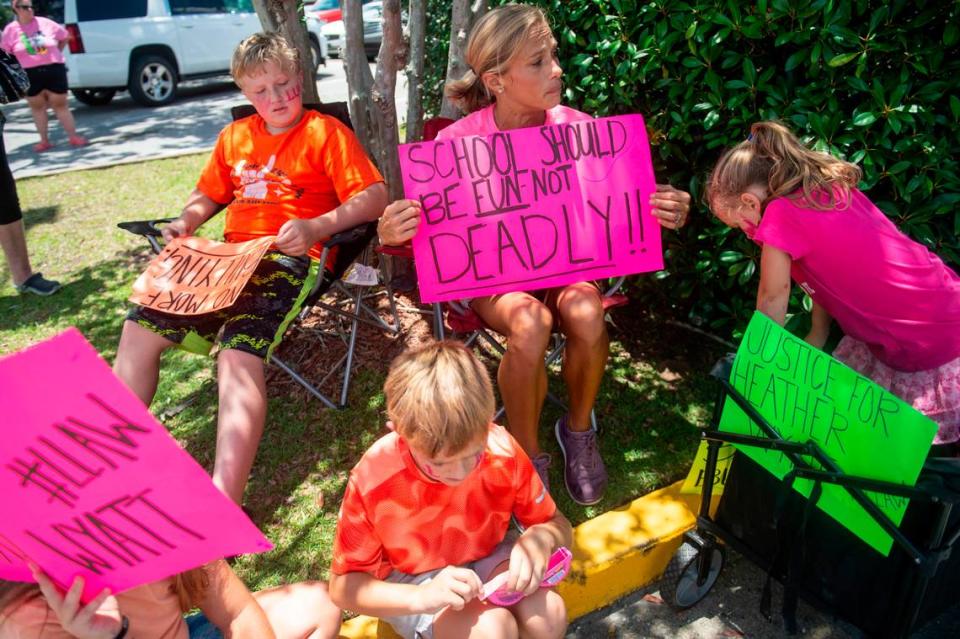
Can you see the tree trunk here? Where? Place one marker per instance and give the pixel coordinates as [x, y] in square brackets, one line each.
[393, 56]
[365, 118]
[418, 26]
[465, 15]
[286, 17]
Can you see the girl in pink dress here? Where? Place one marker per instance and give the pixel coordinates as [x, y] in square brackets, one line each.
[897, 303]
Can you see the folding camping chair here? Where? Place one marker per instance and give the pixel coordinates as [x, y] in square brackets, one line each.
[810, 553]
[348, 304]
[464, 322]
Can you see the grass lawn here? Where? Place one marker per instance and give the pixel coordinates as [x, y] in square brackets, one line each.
[656, 391]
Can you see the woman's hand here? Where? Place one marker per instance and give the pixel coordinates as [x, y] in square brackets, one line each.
[99, 619]
[399, 222]
[671, 206]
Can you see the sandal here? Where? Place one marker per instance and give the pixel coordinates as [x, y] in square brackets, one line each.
[78, 140]
[40, 147]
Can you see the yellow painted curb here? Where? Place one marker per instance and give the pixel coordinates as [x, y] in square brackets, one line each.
[613, 554]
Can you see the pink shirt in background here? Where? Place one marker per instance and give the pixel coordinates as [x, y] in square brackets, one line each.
[35, 44]
[883, 288]
[482, 123]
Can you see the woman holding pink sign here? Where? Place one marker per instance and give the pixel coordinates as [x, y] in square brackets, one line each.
[43, 611]
[514, 81]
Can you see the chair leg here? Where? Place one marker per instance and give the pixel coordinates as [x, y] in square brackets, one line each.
[354, 327]
[300, 380]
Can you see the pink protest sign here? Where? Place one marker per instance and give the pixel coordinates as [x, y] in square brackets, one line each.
[91, 484]
[532, 208]
[194, 275]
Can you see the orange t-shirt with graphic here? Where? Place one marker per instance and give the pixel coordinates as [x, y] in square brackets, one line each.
[266, 179]
[394, 517]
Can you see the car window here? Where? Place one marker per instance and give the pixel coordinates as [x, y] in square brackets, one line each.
[97, 10]
[322, 5]
[239, 6]
[182, 7]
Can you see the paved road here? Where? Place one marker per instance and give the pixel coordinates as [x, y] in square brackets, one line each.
[126, 132]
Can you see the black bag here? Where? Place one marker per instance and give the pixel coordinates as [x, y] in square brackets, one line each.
[13, 79]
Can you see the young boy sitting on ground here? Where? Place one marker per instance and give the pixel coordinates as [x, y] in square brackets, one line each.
[426, 514]
[284, 171]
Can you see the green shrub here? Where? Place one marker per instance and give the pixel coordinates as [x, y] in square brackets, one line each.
[874, 81]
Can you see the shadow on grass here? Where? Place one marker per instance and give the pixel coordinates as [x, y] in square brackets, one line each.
[40, 215]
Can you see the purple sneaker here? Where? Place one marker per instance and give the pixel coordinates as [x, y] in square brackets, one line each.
[583, 469]
[542, 465]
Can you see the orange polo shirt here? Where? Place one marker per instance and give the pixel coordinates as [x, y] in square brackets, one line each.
[393, 517]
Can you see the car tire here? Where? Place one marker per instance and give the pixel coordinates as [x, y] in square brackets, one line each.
[94, 97]
[316, 53]
[153, 81]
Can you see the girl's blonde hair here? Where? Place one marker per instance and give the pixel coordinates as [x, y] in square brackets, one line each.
[774, 158]
[439, 397]
[255, 51]
[494, 42]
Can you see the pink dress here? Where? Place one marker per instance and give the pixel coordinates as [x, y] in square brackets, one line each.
[36, 43]
[897, 303]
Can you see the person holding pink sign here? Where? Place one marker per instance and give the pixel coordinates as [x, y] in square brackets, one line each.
[155, 611]
[897, 303]
[286, 172]
[426, 517]
[514, 81]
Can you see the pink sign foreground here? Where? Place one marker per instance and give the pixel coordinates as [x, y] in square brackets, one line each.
[194, 275]
[91, 484]
[532, 208]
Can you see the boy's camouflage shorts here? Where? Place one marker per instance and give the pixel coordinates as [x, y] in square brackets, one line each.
[255, 323]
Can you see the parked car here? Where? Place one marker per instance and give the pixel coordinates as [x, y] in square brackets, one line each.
[325, 10]
[148, 47]
[372, 31]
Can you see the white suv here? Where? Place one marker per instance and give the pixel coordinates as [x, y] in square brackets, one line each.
[149, 46]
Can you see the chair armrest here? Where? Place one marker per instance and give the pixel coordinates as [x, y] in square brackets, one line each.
[146, 228]
[354, 234]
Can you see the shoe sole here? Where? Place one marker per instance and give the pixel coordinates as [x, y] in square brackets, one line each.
[38, 292]
[563, 450]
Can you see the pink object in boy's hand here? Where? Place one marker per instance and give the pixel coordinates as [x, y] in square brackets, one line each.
[557, 569]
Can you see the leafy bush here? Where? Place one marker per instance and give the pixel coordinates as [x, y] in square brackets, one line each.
[874, 81]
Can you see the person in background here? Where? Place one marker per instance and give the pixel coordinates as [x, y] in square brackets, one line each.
[514, 81]
[13, 239]
[38, 45]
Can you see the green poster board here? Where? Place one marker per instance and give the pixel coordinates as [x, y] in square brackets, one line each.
[806, 394]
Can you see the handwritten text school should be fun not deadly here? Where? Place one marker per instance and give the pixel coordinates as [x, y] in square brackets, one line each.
[518, 207]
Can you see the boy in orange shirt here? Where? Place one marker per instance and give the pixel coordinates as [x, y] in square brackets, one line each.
[427, 510]
[284, 171]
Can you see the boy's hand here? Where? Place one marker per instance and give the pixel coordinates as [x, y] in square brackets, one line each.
[99, 619]
[453, 586]
[528, 561]
[296, 237]
[399, 222]
[671, 206]
[177, 228]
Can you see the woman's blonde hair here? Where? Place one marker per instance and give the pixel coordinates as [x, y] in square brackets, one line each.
[494, 42]
[774, 158]
[255, 51]
[439, 397]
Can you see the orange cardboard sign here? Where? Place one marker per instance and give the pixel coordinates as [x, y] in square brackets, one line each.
[194, 275]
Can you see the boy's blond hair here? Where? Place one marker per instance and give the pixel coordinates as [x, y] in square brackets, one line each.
[254, 52]
[439, 397]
